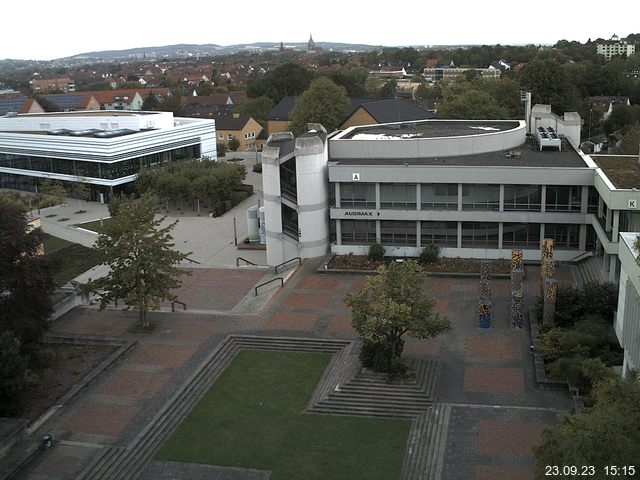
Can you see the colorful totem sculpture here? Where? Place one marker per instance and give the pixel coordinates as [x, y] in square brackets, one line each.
[517, 276]
[484, 306]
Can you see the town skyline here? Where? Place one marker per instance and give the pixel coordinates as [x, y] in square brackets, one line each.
[492, 22]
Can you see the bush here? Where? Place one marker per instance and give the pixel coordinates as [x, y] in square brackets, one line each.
[233, 144]
[550, 344]
[114, 205]
[257, 167]
[376, 252]
[376, 356]
[221, 149]
[429, 254]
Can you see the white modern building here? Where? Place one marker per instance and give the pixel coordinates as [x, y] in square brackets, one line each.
[475, 188]
[105, 149]
[614, 46]
[627, 321]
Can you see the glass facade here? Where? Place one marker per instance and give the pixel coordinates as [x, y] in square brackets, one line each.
[521, 235]
[290, 221]
[358, 195]
[479, 234]
[439, 196]
[84, 168]
[563, 198]
[288, 182]
[443, 234]
[480, 197]
[398, 233]
[565, 237]
[522, 197]
[358, 232]
[398, 195]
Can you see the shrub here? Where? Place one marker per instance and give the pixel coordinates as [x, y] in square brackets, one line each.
[376, 357]
[114, 205]
[599, 299]
[233, 144]
[550, 344]
[12, 375]
[376, 252]
[429, 254]
[257, 167]
[221, 149]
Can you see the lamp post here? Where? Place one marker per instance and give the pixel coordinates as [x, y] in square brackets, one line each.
[590, 110]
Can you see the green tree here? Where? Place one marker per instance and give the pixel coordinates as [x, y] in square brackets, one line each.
[80, 190]
[13, 367]
[141, 258]
[393, 303]
[606, 434]
[471, 104]
[234, 144]
[390, 89]
[289, 79]
[150, 102]
[630, 144]
[353, 79]
[324, 102]
[26, 277]
[548, 84]
[54, 190]
[258, 108]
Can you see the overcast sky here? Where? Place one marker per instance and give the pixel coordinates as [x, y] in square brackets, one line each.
[46, 30]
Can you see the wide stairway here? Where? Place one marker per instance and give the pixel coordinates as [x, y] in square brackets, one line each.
[590, 270]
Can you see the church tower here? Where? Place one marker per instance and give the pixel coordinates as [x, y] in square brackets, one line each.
[311, 45]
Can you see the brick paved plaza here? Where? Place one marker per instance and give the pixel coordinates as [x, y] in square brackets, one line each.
[497, 413]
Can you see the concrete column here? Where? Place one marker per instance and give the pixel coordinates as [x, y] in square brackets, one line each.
[418, 239]
[459, 200]
[459, 234]
[337, 194]
[600, 203]
[541, 233]
[338, 232]
[584, 204]
[500, 232]
[543, 201]
[378, 201]
[582, 242]
[378, 235]
[616, 224]
[607, 223]
[605, 260]
[418, 197]
[613, 264]
[501, 204]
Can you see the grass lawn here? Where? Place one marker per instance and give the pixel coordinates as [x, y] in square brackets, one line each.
[73, 258]
[94, 226]
[253, 417]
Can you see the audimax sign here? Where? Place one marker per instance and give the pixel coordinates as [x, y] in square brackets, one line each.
[361, 213]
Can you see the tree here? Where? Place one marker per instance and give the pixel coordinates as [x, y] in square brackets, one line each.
[55, 190]
[324, 102]
[548, 84]
[390, 89]
[606, 434]
[630, 144]
[142, 261]
[353, 79]
[392, 304]
[289, 79]
[26, 278]
[150, 102]
[471, 104]
[234, 144]
[258, 108]
[80, 190]
[13, 367]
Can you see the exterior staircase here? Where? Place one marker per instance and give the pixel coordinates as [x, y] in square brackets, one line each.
[590, 270]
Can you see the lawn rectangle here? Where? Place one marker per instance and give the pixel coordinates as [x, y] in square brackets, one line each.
[254, 417]
[94, 225]
[73, 258]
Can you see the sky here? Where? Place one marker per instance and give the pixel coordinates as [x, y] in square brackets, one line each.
[45, 30]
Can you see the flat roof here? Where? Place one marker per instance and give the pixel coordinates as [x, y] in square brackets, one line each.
[429, 129]
[527, 155]
[91, 113]
[622, 170]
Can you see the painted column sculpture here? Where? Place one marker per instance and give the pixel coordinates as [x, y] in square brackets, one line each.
[517, 276]
[547, 264]
[549, 303]
[484, 306]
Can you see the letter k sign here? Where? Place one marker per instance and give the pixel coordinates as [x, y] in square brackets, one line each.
[355, 177]
[632, 204]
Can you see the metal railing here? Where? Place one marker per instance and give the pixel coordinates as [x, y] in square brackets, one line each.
[581, 257]
[173, 305]
[244, 260]
[288, 261]
[193, 261]
[267, 283]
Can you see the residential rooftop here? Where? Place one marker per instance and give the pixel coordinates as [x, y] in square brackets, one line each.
[622, 170]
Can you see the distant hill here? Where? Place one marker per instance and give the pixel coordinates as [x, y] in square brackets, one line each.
[191, 50]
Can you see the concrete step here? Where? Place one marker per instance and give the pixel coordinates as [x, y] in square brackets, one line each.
[364, 411]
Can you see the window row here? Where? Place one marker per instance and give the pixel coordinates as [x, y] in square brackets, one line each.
[445, 234]
[444, 196]
[96, 169]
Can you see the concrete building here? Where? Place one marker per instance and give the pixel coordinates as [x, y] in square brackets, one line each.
[475, 188]
[627, 320]
[104, 149]
[614, 46]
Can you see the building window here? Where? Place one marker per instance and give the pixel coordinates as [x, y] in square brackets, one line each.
[358, 195]
[400, 233]
[439, 196]
[288, 180]
[563, 198]
[521, 235]
[398, 195]
[220, 137]
[289, 221]
[592, 202]
[523, 197]
[564, 236]
[229, 136]
[443, 234]
[480, 197]
[479, 234]
[358, 232]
